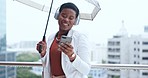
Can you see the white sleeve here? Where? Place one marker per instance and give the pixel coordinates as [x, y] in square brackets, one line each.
[82, 60]
[43, 59]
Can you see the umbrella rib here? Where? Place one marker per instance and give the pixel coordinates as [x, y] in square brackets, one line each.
[84, 16]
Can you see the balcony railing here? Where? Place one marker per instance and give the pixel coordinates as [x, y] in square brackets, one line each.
[26, 64]
[106, 66]
[96, 66]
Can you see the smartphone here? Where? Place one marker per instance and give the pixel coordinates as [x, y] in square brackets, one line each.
[65, 39]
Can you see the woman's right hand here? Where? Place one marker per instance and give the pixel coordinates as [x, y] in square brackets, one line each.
[43, 48]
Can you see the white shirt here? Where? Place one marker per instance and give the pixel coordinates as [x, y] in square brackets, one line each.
[80, 67]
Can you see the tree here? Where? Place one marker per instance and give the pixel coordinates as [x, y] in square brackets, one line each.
[27, 57]
[24, 72]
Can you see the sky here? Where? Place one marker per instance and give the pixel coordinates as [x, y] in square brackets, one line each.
[25, 23]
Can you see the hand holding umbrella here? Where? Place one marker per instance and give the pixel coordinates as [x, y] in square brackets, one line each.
[44, 36]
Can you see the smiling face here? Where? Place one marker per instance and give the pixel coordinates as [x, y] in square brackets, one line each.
[66, 19]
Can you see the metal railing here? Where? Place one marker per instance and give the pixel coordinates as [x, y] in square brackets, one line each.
[103, 66]
[26, 64]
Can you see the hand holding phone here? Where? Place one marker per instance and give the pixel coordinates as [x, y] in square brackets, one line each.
[66, 47]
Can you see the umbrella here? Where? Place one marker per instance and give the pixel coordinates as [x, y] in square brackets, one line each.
[88, 8]
[83, 15]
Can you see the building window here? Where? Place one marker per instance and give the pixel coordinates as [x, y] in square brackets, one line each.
[145, 73]
[116, 70]
[144, 58]
[110, 62]
[113, 49]
[145, 43]
[114, 56]
[134, 42]
[110, 43]
[134, 49]
[117, 43]
[109, 49]
[138, 42]
[117, 49]
[138, 56]
[134, 55]
[145, 50]
[138, 49]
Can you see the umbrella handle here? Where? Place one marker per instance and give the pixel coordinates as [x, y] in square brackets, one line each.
[44, 36]
[40, 46]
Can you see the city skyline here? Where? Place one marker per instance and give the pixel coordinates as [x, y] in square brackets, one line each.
[25, 23]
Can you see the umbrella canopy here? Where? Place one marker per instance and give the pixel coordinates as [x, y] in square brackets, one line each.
[88, 8]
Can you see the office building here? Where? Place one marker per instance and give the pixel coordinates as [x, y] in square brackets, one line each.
[128, 50]
[5, 71]
[98, 56]
[2, 25]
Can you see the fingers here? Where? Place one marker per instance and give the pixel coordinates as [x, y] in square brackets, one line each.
[67, 48]
[41, 47]
[38, 45]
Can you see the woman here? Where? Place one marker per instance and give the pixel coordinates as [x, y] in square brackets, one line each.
[66, 60]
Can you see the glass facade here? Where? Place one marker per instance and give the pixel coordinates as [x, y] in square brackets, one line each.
[2, 25]
[5, 72]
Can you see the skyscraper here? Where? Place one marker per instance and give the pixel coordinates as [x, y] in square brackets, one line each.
[5, 72]
[2, 25]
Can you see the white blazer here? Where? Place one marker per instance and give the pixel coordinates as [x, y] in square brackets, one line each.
[80, 67]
